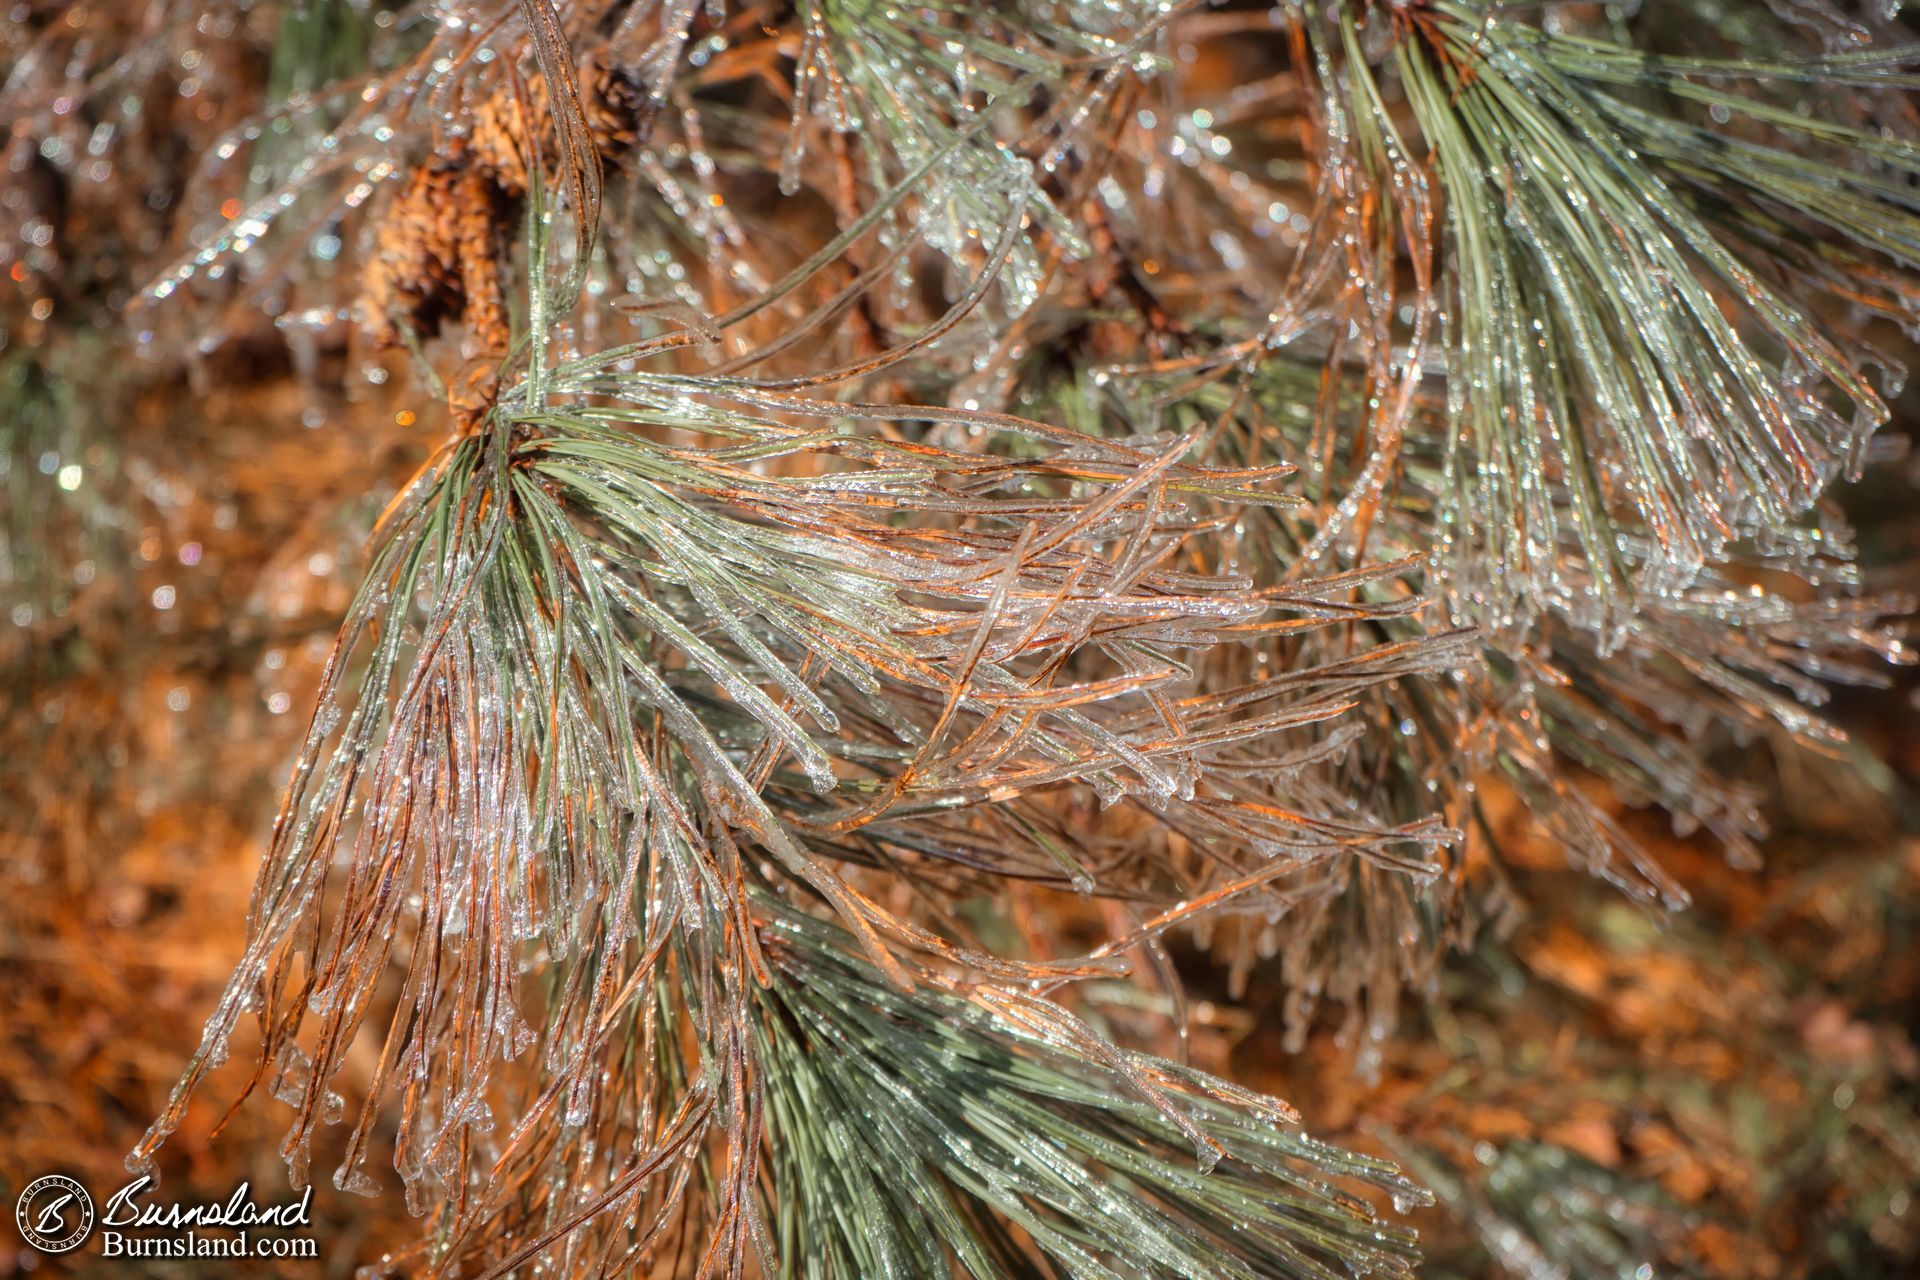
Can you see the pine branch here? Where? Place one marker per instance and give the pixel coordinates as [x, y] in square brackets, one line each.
[1061, 487]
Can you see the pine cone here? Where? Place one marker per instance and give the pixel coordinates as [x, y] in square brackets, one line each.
[438, 256]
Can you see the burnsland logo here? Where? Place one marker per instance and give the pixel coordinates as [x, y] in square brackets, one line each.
[56, 1215]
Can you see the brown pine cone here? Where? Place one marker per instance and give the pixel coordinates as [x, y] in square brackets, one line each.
[439, 253]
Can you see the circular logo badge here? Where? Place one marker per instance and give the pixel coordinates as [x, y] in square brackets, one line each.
[54, 1214]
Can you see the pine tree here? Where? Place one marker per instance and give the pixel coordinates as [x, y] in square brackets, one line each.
[890, 461]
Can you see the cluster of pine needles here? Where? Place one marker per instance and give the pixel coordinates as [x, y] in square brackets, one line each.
[921, 602]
